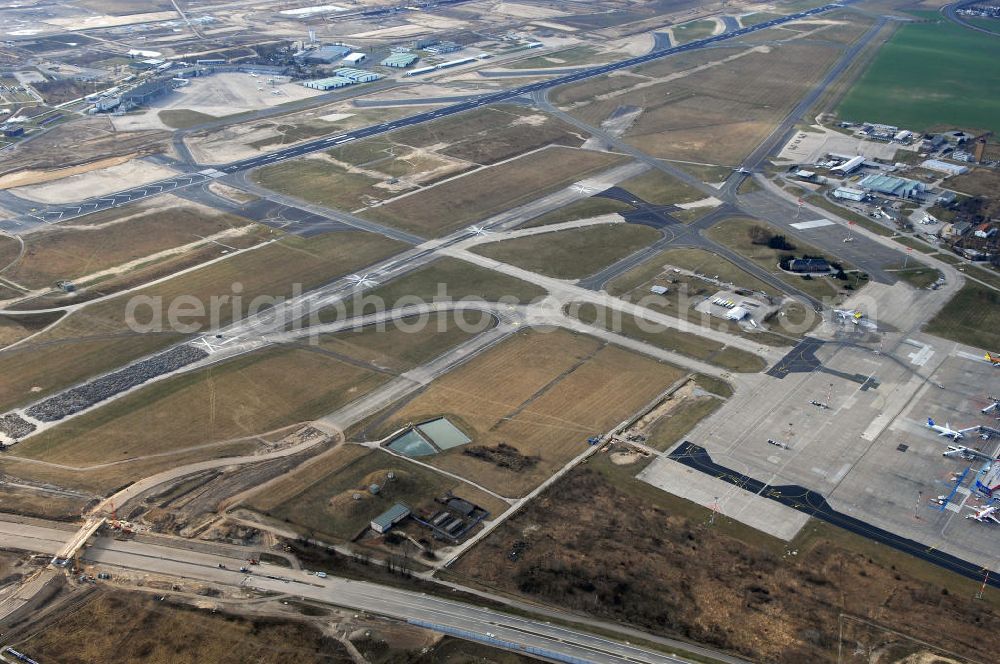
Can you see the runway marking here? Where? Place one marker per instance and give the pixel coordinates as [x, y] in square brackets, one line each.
[815, 223]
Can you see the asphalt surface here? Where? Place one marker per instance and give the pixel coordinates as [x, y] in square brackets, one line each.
[58, 213]
[465, 620]
[815, 505]
[950, 12]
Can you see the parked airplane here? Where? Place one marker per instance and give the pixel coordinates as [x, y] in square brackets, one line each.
[966, 453]
[946, 430]
[993, 359]
[743, 171]
[854, 316]
[986, 515]
[994, 404]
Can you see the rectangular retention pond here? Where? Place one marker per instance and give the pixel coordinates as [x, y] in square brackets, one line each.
[443, 433]
[412, 444]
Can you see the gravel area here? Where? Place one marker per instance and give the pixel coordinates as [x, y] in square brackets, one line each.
[14, 426]
[84, 396]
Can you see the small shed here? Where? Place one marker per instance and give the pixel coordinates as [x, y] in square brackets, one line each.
[389, 518]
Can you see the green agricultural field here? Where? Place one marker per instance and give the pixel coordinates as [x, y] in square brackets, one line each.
[931, 75]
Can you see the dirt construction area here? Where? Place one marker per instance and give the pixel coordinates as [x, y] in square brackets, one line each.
[98, 182]
[542, 394]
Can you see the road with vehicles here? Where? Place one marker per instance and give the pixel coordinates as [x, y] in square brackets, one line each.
[56, 213]
[490, 626]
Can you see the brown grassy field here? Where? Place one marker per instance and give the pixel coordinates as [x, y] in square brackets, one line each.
[97, 338]
[639, 556]
[61, 253]
[322, 182]
[543, 393]
[320, 499]
[571, 253]
[470, 198]
[397, 349]
[244, 397]
[135, 627]
[658, 188]
[16, 327]
[445, 278]
[719, 114]
[9, 249]
[488, 135]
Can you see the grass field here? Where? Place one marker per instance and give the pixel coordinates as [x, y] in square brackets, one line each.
[688, 32]
[734, 233]
[470, 198]
[398, 349]
[320, 499]
[577, 55]
[572, 253]
[971, 317]
[16, 327]
[97, 338]
[51, 255]
[136, 627]
[716, 115]
[483, 136]
[658, 188]
[246, 396]
[668, 338]
[444, 277]
[544, 394]
[958, 86]
[183, 118]
[322, 182]
[582, 209]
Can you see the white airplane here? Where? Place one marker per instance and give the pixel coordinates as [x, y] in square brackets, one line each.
[742, 171]
[947, 431]
[275, 92]
[986, 515]
[966, 453]
[253, 74]
[479, 230]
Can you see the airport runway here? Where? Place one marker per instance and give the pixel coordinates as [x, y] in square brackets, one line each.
[57, 213]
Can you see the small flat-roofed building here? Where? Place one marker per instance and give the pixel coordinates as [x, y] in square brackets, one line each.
[357, 75]
[399, 60]
[442, 47]
[946, 198]
[944, 167]
[658, 290]
[355, 58]
[737, 313]
[389, 518]
[849, 194]
[329, 83]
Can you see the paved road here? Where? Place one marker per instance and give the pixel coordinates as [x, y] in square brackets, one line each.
[464, 620]
[62, 212]
[950, 12]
